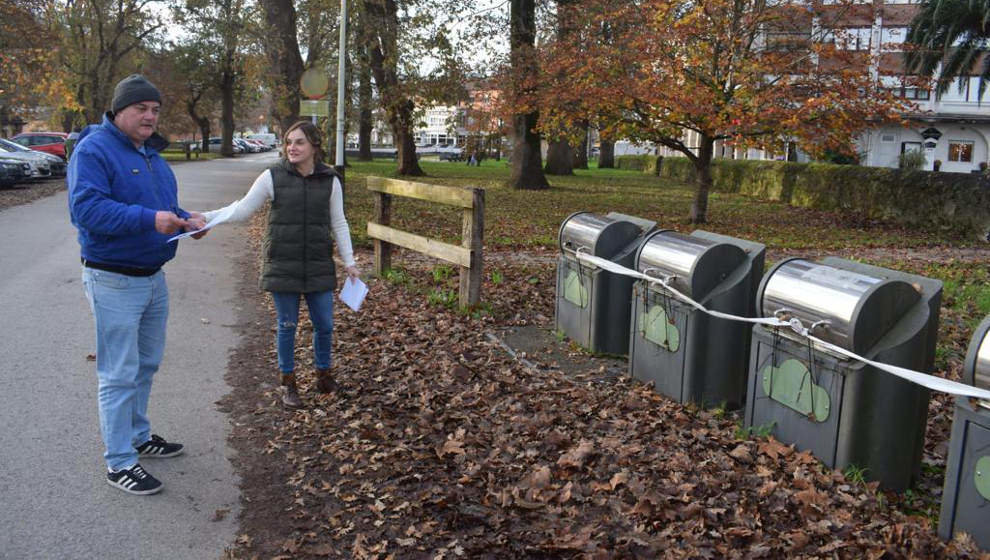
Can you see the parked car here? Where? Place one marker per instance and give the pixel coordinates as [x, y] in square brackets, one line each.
[248, 147]
[268, 138]
[40, 168]
[262, 147]
[13, 171]
[55, 163]
[216, 141]
[449, 153]
[50, 142]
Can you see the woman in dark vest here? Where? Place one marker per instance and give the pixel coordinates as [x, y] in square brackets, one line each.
[307, 208]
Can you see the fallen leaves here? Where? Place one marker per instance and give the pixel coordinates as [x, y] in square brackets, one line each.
[576, 457]
[440, 445]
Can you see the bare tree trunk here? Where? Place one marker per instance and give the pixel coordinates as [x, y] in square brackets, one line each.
[364, 101]
[606, 154]
[703, 165]
[202, 122]
[383, 53]
[286, 62]
[527, 168]
[405, 141]
[527, 162]
[560, 158]
[227, 113]
[581, 151]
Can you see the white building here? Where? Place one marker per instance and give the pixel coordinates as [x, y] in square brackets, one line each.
[953, 129]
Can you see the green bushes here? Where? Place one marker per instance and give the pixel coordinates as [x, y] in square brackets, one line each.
[636, 163]
[646, 163]
[951, 201]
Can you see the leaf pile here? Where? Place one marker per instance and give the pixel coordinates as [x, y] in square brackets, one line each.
[441, 446]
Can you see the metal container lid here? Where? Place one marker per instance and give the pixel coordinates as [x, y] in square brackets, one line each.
[976, 370]
[692, 265]
[849, 309]
[601, 236]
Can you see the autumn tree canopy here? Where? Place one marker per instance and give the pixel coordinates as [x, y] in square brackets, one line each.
[687, 73]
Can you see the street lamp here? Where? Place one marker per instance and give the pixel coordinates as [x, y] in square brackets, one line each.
[339, 160]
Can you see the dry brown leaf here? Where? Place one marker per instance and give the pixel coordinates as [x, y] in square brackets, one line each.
[576, 457]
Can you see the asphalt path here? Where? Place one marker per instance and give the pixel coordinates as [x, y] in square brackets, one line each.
[54, 500]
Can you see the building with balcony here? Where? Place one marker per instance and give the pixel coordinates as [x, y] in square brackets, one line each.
[953, 128]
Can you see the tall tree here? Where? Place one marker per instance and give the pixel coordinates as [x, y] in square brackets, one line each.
[560, 155]
[383, 28]
[687, 73]
[197, 91]
[216, 32]
[104, 41]
[950, 38]
[365, 102]
[401, 35]
[30, 75]
[281, 43]
[527, 168]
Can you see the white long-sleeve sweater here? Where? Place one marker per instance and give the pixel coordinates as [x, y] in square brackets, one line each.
[263, 190]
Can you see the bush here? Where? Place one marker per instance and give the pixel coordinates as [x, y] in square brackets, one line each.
[912, 160]
[636, 163]
[949, 201]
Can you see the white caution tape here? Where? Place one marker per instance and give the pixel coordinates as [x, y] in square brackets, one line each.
[925, 380]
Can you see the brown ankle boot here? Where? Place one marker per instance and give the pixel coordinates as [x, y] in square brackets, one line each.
[325, 382]
[290, 395]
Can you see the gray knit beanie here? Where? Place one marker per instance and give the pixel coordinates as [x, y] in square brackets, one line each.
[133, 89]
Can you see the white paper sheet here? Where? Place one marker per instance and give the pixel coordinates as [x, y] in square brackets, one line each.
[220, 218]
[353, 293]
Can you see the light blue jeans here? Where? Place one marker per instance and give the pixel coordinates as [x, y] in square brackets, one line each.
[130, 313]
[320, 313]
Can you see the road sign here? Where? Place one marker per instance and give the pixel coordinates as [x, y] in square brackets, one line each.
[314, 108]
[314, 83]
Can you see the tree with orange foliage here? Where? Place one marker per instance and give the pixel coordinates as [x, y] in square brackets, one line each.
[747, 72]
[30, 74]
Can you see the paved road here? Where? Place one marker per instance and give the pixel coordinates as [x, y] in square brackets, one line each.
[54, 502]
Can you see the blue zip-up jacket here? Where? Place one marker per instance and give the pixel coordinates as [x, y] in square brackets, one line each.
[114, 193]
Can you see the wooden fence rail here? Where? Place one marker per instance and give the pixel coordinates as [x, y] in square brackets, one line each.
[467, 256]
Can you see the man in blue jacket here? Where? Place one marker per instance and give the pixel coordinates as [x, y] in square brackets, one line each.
[123, 200]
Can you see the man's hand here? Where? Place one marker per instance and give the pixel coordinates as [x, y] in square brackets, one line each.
[353, 272]
[168, 223]
[196, 221]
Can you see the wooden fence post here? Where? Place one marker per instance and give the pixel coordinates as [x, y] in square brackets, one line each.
[472, 232]
[383, 250]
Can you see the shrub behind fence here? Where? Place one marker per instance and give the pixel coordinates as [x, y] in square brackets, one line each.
[926, 199]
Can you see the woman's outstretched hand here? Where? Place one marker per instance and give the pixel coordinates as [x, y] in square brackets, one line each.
[353, 272]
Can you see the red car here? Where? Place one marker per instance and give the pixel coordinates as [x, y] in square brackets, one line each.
[50, 142]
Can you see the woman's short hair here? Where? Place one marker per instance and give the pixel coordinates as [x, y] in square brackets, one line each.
[313, 135]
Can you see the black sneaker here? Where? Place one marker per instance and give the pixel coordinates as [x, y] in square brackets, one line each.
[158, 447]
[134, 480]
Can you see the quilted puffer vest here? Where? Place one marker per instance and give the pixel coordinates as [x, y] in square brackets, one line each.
[298, 250]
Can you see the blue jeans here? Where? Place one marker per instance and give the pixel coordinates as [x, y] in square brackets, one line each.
[130, 313]
[320, 312]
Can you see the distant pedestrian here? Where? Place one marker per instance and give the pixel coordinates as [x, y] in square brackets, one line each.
[123, 200]
[307, 208]
[70, 142]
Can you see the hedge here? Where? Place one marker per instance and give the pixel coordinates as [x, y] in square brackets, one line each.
[645, 163]
[926, 199]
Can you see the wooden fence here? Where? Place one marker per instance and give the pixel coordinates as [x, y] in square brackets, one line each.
[467, 256]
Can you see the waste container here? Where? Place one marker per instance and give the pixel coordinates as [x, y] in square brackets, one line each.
[592, 305]
[687, 354]
[842, 410]
[966, 495]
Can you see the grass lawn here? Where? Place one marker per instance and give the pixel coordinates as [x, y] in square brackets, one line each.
[179, 156]
[522, 220]
[516, 219]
